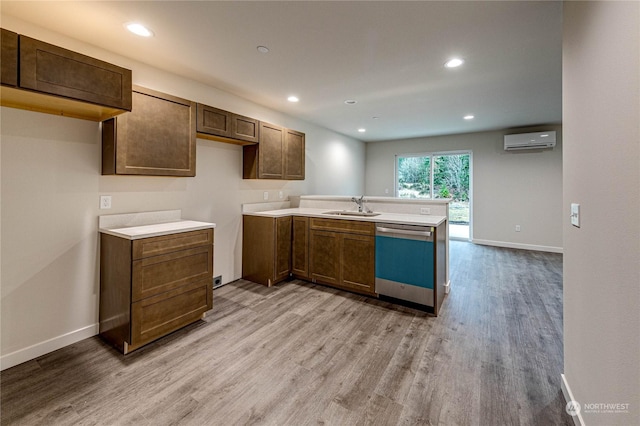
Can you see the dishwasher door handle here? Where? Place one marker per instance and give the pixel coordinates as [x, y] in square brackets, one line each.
[403, 231]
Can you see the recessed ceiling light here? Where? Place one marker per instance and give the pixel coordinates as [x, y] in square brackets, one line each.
[263, 49]
[350, 102]
[361, 130]
[376, 118]
[138, 29]
[469, 117]
[293, 99]
[453, 63]
[544, 136]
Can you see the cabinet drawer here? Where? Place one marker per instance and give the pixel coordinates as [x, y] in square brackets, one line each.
[156, 316]
[155, 246]
[57, 71]
[158, 274]
[338, 225]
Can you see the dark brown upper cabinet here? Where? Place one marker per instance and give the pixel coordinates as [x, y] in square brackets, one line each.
[224, 126]
[279, 155]
[9, 58]
[158, 137]
[294, 155]
[42, 77]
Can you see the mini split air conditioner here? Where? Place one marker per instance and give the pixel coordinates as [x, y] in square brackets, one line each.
[534, 140]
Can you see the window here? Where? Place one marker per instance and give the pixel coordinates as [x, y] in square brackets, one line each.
[438, 175]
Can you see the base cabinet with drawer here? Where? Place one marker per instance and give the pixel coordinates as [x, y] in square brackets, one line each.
[150, 287]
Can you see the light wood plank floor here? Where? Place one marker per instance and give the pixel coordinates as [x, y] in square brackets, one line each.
[300, 354]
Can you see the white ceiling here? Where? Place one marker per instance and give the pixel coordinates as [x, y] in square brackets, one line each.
[387, 55]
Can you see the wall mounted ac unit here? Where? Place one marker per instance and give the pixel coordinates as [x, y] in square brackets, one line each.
[534, 140]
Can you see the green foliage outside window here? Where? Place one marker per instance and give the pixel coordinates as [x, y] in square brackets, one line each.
[450, 177]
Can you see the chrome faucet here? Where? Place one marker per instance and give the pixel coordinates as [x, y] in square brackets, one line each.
[361, 205]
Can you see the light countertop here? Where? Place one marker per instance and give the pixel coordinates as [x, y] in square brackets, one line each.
[407, 219]
[157, 229]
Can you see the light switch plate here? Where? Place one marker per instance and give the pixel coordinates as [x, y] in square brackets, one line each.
[425, 210]
[575, 214]
[265, 195]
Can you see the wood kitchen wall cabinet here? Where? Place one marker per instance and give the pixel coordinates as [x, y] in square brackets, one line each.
[153, 286]
[294, 155]
[157, 138]
[280, 154]
[9, 58]
[342, 254]
[266, 249]
[42, 77]
[224, 126]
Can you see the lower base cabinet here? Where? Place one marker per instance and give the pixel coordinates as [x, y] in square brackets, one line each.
[153, 286]
[266, 249]
[300, 247]
[342, 254]
[337, 252]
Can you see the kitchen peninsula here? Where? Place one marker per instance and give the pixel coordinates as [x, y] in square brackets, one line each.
[392, 247]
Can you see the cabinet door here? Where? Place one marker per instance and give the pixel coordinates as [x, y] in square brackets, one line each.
[270, 152]
[213, 121]
[324, 255]
[156, 316]
[245, 128]
[258, 245]
[283, 248]
[358, 262]
[294, 155]
[157, 138]
[9, 59]
[300, 247]
[53, 70]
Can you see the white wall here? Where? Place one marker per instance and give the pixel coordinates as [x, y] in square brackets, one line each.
[509, 188]
[601, 115]
[51, 182]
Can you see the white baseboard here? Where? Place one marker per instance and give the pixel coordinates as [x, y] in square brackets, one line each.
[568, 396]
[23, 355]
[533, 247]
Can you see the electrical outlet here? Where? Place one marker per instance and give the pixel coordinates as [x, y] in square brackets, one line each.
[280, 195]
[217, 281]
[517, 228]
[265, 195]
[105, 202]
[386, 190]
[425, 210]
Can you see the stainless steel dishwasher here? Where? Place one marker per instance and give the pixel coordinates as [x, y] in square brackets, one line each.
[405, 262]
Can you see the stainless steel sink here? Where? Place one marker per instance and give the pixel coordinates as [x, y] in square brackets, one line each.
[351, 213]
